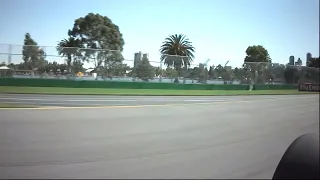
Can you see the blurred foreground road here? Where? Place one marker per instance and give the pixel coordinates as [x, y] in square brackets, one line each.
[232, 138]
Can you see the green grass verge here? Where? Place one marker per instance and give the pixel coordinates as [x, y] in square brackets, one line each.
[14, 105]
[144, 92]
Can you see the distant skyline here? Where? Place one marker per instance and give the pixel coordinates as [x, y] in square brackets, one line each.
[220, 30]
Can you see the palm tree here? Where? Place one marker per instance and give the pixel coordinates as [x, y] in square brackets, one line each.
[177, 45]
[69, 48]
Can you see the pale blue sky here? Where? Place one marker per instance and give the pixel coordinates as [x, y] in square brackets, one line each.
[220, 30]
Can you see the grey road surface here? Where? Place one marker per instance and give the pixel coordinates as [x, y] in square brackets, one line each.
[239, 138]
[80, 100]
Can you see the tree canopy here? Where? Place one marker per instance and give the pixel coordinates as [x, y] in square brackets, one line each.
[70, 48]
[314, 62]
[97, 32]
[145, 70]
[257, 53]
[99, 38]
[177, 45]
[256, 63]
[32, 55]
[177, 52]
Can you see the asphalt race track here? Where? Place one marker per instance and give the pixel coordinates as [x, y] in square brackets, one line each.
[151, 137]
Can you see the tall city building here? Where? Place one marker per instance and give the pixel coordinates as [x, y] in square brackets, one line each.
[291, 60]
[309, 56]
[138, 57]
[146, 56]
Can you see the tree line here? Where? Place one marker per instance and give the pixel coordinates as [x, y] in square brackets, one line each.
[95, 38]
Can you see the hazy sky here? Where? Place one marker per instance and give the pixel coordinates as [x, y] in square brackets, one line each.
[220, 30]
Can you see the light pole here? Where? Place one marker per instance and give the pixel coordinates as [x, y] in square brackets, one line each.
[225, 71]
[160, 79]
[226, 64]
[205, 68]
[10, 54]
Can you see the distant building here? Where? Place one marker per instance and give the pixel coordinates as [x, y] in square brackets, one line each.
[146, 56]
[299, 62]
[309, 56]
[138, 57]
[291, 60]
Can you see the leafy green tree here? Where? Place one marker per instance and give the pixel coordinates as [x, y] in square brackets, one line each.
[276, 73]
[117, 69]
[312, 73]
[44, 68]
[32, 55]
[238, 73]
[291, 75]
[269, 73]
[219, 70]
[145, 70]
[178, 46]
[77, 66]
[121, 69]
[202, 73]
[212, 74]
[63, 68]
[170, 73]
[20, 66]
[256, 60]
[257, 53]
[99, 35]
[113, 64]
[193, 73]
[158, 71]
[314, 62]
[227, 74]
[70, 48]
[54, 67]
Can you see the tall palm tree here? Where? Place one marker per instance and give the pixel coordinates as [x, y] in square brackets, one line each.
[177, 45]
[69, 48]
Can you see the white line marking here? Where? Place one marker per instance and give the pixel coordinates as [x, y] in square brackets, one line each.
[203, 100]
[111, 100]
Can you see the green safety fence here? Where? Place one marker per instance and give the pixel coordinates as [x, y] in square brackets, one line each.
[275, 86]
[132, 85]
